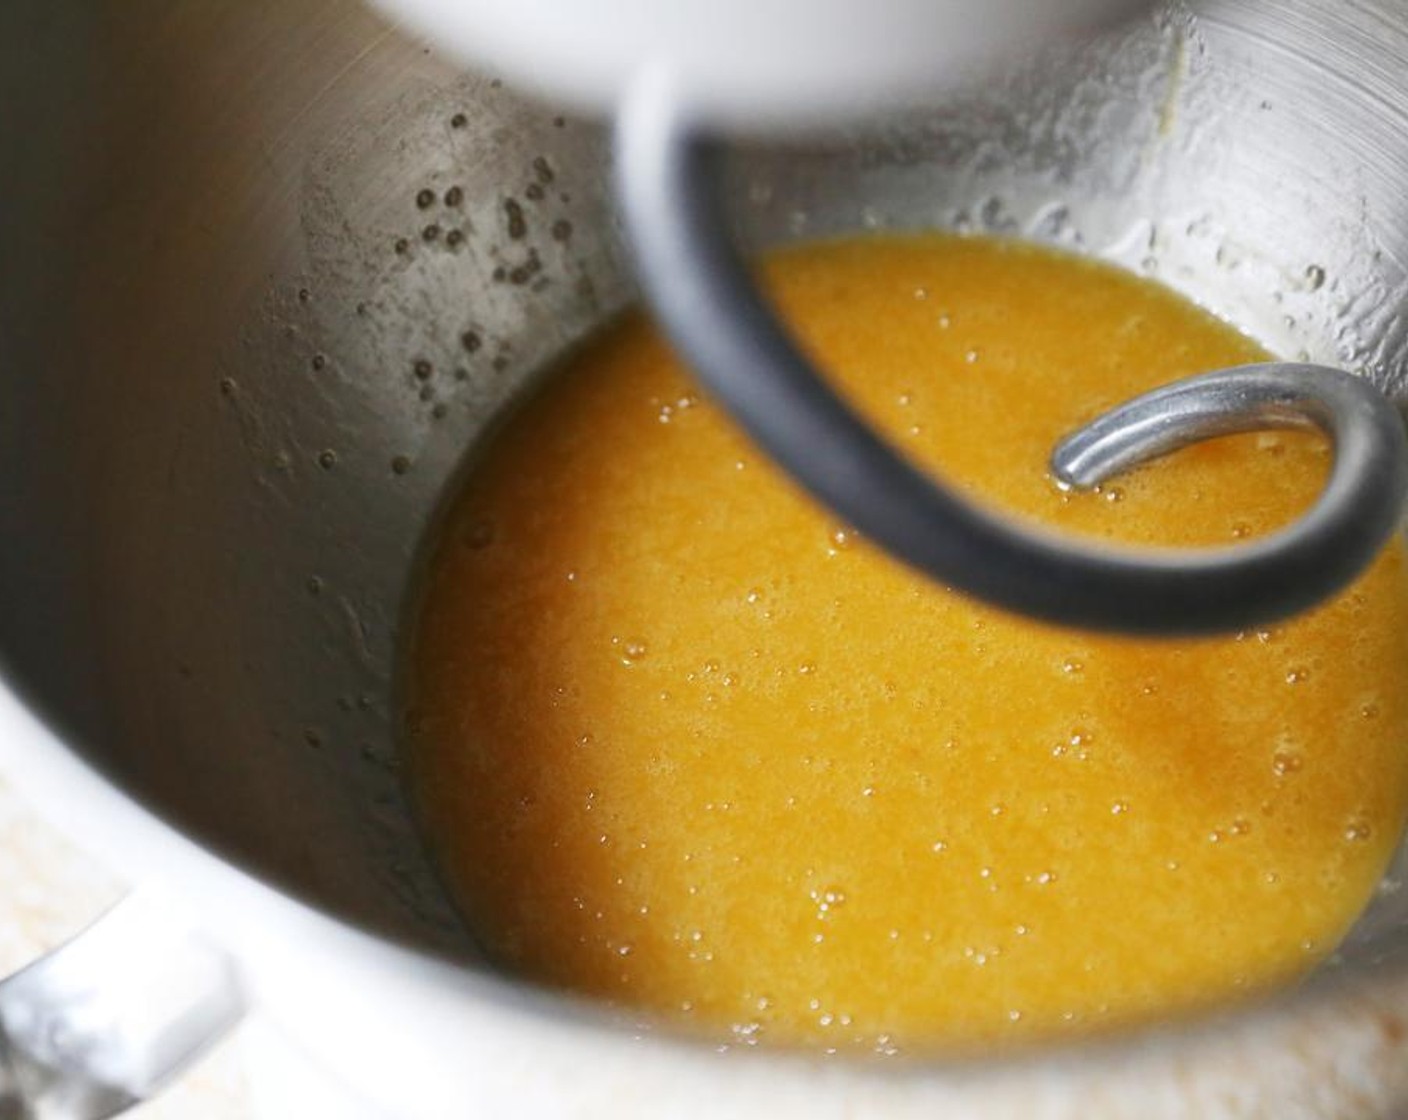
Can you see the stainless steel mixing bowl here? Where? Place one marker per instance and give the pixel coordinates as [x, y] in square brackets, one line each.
[268, 269]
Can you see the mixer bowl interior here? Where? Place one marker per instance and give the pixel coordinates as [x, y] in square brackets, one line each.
[270, 269]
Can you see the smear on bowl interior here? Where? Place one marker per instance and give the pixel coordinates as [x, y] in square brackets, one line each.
[684, 743]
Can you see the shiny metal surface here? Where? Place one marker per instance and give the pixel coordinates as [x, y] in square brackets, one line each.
[703, 294]
[106, 1020]
[1285, 395]
[231, 401]
[1362, 504]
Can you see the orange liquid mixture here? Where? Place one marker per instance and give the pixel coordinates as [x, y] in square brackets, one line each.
[683, 742]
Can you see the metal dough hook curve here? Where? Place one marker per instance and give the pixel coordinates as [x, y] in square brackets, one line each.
[704, 296]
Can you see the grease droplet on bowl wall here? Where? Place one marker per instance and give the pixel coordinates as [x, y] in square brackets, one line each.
[517, 223]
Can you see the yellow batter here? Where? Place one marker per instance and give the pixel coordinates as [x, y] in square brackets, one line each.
[683, 742]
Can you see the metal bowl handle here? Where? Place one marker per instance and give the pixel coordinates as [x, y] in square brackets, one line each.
[107, 1019]
[704, 296]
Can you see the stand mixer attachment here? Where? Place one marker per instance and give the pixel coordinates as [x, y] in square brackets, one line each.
[683, 73]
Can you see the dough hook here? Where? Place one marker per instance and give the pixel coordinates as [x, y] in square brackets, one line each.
[741, 66]
[701, 291]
